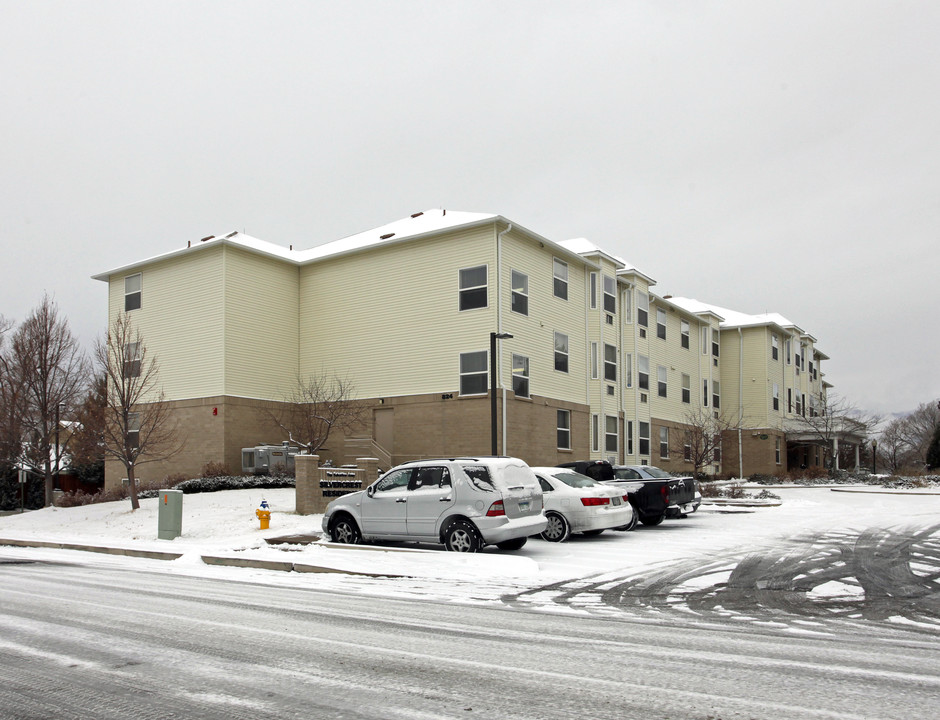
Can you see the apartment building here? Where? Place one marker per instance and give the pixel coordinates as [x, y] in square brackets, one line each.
[589, 361]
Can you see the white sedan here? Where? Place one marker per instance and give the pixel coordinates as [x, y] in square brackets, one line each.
[575, 503]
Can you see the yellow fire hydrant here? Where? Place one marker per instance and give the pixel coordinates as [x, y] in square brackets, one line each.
[264, 515]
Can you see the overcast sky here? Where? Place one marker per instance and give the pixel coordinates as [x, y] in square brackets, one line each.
[765, 157]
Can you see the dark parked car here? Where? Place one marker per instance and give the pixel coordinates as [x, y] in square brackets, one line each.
[653, 493]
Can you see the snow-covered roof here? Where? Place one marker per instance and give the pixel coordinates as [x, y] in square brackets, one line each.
[414, 226]
[733, 318]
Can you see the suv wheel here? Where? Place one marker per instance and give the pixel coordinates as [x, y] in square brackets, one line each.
[344, 530]
[462, 536]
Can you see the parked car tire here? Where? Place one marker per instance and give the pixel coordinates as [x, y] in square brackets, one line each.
[344, 530]
[514, 544]
[652, 520]
[592, 533]
[558, 529]
[462, 536]
[630, 525]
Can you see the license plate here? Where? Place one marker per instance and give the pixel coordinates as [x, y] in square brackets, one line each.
[524, 505]
[616, 501]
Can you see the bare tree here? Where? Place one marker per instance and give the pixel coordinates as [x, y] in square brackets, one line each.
[53, 372]
[316, 407]
[138, 424]
[87, 438]
[11, 402]
[703, 435]
[833, 419]
[905, 440]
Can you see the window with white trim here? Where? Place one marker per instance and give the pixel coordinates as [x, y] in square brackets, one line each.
[661, 381]
[610, 362]
[642, 309]
[595, 432]
[774, 347]
[716, 448]
[593, 277]
[561, 352]
[520, 293]
[644, 438]
[786, 349]
[520, 375]
[594, 361]
[132, 360]
[610, 295]
[563, 431]
[629, 437]
[715, 342]
[716, 394]
[643, 372]
[684, 330]
[686, 388]
[660, 323]
[704, 338]
[610, 434]
[664, 443]
[560, 278]
[628, 369]
[777, 450]
[704, 393]
[776, 397]
[628, 305]
[473, 373]
[132, 292]
[473, 287]
[133, 431]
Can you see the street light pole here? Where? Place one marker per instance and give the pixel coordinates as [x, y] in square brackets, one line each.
[493, 435]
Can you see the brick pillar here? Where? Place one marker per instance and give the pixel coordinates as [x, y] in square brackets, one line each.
[371, 466]
[308, 493]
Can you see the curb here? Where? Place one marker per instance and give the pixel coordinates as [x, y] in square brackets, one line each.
[150, 554]
[857, 491]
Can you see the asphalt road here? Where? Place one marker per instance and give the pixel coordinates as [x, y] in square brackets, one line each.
[93, 641]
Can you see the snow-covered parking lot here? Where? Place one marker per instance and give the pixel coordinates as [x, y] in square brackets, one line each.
[851, 553]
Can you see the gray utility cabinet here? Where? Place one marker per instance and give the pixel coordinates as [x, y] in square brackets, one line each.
[170, 516]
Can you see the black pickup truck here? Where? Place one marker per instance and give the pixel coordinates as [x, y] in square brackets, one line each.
[653, 493]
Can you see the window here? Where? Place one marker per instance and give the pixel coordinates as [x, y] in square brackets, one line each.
[643, 371]
[661, 381]
[395, 480]
[561, 352]
[133, 431]
[789, 400]
[560, 286]
[593, 290]
[803, 395]
[704, 393]
[801, 358]
[812, 406]
[132, 360]
[686, 388]
[595, 432]
[715, 342]
[705, 340]
[644, 438]
[716, 394]
[684, 328]
[564, 430]
[473, 373]
[610, 362]
[132, 289]
[687, 447]
[473, 288]
[716, 448]
[628, 369]
[594, 361]
[642, 309]
[610, 295]
[660, 323]
[774, 347]
[629, 437]
[610, 433]
[786, 349]
[628, 306]
[664, 443]
[777, 450]
[776, 396]
[520, 293]
[520, 375]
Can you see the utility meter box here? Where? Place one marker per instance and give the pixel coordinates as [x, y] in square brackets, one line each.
[170, 516]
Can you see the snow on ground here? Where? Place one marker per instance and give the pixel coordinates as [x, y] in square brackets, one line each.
[224, 524]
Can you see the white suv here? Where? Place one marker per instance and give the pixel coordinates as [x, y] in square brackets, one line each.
[463, 503]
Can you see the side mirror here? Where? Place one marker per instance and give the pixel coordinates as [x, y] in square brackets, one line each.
[370, 491]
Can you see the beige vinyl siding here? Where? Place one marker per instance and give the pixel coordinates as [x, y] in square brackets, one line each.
[757, 389]
[677, 360]
[397, 303]
[535, 333]
[181, 320]
[261, 320]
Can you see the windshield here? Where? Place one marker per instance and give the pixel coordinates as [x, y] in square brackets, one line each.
[575, 480]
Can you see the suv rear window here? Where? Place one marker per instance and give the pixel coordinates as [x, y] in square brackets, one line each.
[480, 477]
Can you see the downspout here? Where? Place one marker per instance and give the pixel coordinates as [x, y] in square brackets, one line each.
[740, 401]
[499, 323]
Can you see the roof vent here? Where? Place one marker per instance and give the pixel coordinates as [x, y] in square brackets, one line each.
[208, 237]
[231, 234]
[417, 214]
[386, 236]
